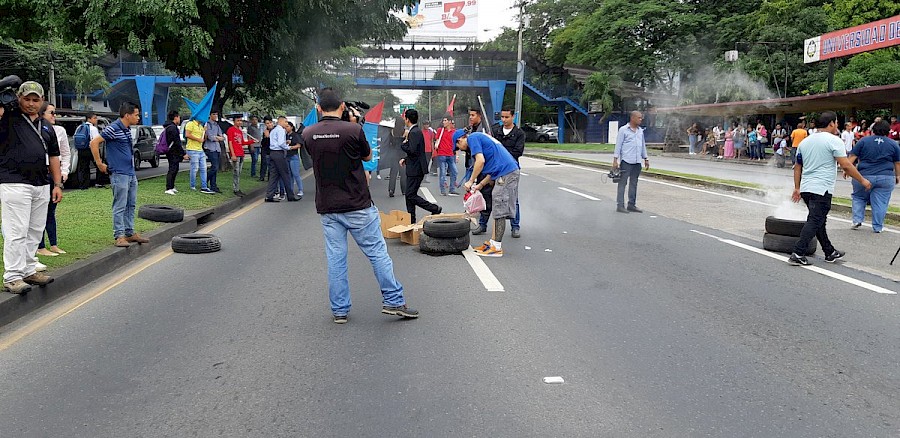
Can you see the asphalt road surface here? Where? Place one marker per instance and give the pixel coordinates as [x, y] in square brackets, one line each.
[660, 325]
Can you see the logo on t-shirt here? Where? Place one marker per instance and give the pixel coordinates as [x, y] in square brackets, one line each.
[325, 136]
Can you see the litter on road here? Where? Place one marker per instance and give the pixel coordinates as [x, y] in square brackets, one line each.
[554, 380]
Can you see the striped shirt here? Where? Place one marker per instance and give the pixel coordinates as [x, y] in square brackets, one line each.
[118, 148]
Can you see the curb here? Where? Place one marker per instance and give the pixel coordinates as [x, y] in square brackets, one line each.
[83, 272]
[687, 180]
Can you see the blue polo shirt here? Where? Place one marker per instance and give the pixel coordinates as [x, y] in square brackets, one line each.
[877, 155]
[497, 160]
[119, 156]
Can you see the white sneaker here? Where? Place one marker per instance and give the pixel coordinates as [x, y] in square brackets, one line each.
[40, 267]
[170, 192]
[175, 190]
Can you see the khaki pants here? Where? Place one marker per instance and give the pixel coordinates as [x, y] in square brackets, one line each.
[23, 212]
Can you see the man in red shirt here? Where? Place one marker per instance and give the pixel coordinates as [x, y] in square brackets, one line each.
[895, 129]
[446, 157]
[429, 134]
[236, 142]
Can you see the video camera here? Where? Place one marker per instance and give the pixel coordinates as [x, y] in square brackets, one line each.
[8, 85]
[356, 109]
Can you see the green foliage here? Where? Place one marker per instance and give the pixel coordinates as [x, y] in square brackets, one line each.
[881, 67]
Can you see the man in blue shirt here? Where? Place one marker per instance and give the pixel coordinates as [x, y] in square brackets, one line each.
[213, 150]
[499, 168]
[630, 150]
[280, 172]
[120, 167]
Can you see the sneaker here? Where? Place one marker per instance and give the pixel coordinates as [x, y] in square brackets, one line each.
[170, 192]
[40, 267]
[876, 231]
[217, 190]
[17, 287]
[175, 190]
[855, 226]
[378, 176]
[798, 260]
[831, 258]
[38, 279]
[137, 238]
[634, 209]
[621, 210]
[340, 319]
[299, 195]
[491, 251]
[193, 189]
[453, 193]
[402, 311]
[479, 231]
[443, 193]
[122, 242]
[516, 234]
[207, 191]
[273, 200]
[484, 246]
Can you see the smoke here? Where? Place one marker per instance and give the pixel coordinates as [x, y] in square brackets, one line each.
[707, 85]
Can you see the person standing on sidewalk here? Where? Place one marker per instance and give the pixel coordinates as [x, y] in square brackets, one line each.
[237, 142]
[281, 174]
[345, 204]
[48, 112]
[213, 150]
[123, 180]
[630, 150]
[879, 162]
[29, 163]
[814, 178]
[255, 133]
[196, 133]
[513, 139]
[176, 153]
[692, 133]
[416, 166]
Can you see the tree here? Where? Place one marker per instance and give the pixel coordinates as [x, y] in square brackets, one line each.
[85, 79]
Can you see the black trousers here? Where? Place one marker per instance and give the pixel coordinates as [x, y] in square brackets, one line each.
[83, 172]
[279, 171]
[174, 160]
[819, 206]
[413, 199]
[397, 172]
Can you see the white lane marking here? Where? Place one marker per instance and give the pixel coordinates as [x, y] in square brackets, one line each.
[579, 194]
[839, 219]
[484, 273]
[523, 173]
[427, 195]
[783, 259]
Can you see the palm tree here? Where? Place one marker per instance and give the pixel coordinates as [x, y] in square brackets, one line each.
[86, 79]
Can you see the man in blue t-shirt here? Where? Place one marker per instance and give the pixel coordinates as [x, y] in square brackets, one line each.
[120, 167]
[500, 169]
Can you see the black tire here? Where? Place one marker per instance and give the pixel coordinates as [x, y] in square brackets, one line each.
[137, 160]
[437, 246]
[154, 162]
[785, 244]
[447, 228]
[196, 243]
[784, 227]
[161, 213]
[543, 139]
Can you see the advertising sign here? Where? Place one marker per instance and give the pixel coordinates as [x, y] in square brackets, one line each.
[442, 18]
[853, 40]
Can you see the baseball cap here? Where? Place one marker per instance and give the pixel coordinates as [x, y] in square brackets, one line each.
[30, 87]
[458, 134]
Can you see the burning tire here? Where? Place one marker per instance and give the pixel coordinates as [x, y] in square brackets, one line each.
[785, 244]
[784, 227]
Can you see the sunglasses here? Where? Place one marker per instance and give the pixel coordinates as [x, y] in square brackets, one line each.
[52, 113]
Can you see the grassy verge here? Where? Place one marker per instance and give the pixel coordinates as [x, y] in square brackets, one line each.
[84, 217]
[847, 202]
[571, 147]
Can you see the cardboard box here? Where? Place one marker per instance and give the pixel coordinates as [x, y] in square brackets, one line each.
[409, 234]
[391, 220]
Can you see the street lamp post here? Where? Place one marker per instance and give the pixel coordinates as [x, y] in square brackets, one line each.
[520, 65]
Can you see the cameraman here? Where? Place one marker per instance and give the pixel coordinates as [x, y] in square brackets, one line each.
[338, 150]
[29, 162]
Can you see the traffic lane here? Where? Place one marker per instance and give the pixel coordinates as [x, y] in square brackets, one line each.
[240, 343]
[738, 214]
[714, 339]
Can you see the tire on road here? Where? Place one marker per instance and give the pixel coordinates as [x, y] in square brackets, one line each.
[784, 227]
[442, 246]
[785, 244]
[447, 228]
[196, 243]
[161, 213]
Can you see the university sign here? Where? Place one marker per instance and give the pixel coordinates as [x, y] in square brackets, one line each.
[853, 40]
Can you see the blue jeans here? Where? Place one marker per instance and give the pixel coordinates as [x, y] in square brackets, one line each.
[879, 197]
[124, 190]
[692, 143]
[294, 163]
[213, 158]
[254, 157]
[444, 163]
[365, 227]
[198, 162]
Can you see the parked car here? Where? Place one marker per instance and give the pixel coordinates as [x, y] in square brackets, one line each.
[550, 131]
[533, 135]
[144, 148]
[158, 130]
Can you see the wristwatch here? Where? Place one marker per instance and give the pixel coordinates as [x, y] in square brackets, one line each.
[58, 185]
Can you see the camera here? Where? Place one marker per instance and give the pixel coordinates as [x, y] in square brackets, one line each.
[8, 85]
[614, 175]
[354, 108]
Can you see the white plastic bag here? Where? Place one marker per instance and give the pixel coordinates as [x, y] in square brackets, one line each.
[474, 202]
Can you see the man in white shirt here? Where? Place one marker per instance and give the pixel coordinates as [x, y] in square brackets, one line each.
[847, 136]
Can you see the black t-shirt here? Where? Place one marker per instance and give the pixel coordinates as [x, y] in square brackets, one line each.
[23, 156]
[293, 139]
[337, 149]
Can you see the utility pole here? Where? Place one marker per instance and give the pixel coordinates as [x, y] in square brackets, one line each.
[520, 65]
[52, 76]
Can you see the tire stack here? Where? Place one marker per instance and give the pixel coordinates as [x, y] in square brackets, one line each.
[445, 236]
[782, 234]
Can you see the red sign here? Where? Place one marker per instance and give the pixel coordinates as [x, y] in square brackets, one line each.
[850, 41]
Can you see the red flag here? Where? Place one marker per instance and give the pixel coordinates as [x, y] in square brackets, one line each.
[450, 107]
[374, 114]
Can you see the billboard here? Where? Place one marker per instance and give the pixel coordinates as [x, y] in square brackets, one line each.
[853, 40]
[442, 18]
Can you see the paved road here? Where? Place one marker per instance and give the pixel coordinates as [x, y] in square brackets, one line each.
[658, 331]
[780, 180]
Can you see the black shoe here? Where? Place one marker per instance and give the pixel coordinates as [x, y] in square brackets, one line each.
[340, 319]
[272, 200]
[390, 195]
[516, 234]
[479, 231]
[855, 226]
[239, 194]
[798, 260]
[262, 179]
[634, 209]
[402, 311]
[217, 190]
[293, 199]
[831, 258]
[621, 210]
[439, 210]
